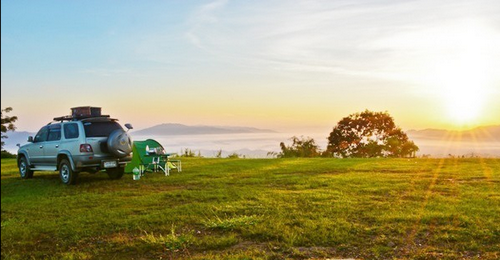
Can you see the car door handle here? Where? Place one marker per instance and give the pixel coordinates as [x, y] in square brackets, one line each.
[41, 146]
[57, 146]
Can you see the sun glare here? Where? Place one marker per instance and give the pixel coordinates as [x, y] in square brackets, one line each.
[463, 90]
[462, 76]
[463, 105]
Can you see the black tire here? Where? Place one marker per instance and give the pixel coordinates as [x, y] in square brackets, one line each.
[68, 176]
[119, 143]
[24, 168]
[116, 173]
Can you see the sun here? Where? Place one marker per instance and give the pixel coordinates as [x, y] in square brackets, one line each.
[463, 105]
[464, 90]
[462, 77]
[461, 86]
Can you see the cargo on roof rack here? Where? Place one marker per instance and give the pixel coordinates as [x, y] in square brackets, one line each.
[86, 111]
[79, 113]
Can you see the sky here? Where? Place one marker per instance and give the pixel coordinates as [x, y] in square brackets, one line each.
[284, 65]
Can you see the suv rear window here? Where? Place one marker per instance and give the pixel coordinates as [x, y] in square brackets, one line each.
[100, 129]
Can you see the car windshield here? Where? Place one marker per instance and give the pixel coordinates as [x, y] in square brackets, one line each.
[100, 129]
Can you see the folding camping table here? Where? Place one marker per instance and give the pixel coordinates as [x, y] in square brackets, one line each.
[160, 161]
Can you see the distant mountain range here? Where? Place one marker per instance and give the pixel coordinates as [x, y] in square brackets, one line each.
[179, 129]
[478, 134]
[17, 137]
[430, 141]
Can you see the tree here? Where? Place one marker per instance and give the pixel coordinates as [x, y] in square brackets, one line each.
[369, 134]
[301, 147]
[7, 123]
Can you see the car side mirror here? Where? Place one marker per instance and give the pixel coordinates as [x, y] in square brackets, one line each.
[129, 126]
[30, 139]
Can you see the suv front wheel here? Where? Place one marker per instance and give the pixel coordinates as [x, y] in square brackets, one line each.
[68, 176]
[24, 169]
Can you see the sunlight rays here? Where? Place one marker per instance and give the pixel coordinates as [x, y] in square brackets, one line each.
[487, 171]
[410, 239]
[468, 143]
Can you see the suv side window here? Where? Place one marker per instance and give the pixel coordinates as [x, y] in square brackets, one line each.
[41, 136]
[54, 133]
[71, 131]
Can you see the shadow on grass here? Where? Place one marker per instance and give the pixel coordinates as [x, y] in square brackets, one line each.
[53, 178]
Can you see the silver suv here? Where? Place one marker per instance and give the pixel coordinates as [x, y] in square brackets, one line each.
[73, 144]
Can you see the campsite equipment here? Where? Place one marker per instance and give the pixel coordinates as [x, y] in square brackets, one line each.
[149, 155]
[137, 174]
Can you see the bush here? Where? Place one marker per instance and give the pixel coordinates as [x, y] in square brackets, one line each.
[234, 156]
[301, 147]
[7, 155]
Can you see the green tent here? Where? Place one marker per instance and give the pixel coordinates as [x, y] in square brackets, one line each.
[139, 154]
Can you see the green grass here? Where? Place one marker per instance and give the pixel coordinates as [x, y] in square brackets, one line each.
[260, 209]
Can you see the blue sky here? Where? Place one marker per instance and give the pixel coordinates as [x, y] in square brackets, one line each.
[275, 64]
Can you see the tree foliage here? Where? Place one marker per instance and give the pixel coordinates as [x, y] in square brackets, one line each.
[301, 147]
[369, 134]
[7, 123]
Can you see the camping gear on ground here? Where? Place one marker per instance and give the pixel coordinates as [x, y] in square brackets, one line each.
[137, 174]
[149, 155]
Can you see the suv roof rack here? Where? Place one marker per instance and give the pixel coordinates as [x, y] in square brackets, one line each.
[73, 118]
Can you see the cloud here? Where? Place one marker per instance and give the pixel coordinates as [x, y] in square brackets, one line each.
[385, 40]
[203, 15]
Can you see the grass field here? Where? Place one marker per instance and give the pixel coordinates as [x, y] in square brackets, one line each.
[260, 209]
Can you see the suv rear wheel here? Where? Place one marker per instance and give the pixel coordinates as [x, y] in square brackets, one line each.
[116, 173]
[68, 176]
[24, 169]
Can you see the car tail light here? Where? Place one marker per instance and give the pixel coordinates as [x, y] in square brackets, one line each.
[86, 148]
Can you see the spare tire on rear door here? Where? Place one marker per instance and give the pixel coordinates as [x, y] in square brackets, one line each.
[119, 143]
